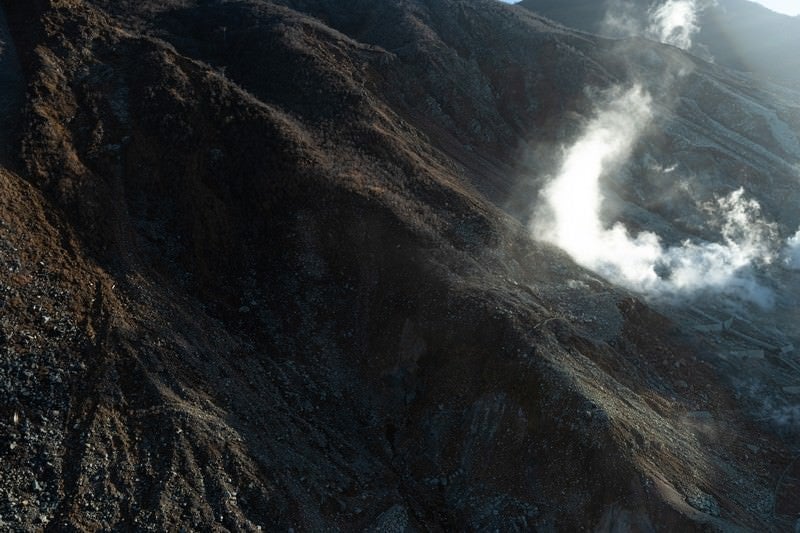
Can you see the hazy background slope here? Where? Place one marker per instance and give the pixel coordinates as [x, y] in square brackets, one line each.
[738, 34]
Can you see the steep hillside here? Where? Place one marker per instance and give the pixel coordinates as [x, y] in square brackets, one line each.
[265, 265]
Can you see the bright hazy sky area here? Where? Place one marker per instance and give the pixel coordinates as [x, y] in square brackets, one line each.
[788, 7]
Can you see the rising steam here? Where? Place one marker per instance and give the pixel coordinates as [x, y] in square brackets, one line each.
[674, 22]
[569, 214]
[569, 217]
[792, 251]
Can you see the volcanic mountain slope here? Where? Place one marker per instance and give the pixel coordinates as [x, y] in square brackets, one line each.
[263, 267]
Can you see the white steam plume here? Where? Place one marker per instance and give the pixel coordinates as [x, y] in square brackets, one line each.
[791, 254]
[569, 217]
[674, 22]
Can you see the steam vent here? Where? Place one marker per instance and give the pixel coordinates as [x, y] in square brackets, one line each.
[399, 266]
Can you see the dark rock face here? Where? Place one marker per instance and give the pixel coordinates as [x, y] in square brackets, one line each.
[11, 84]
[262, 267]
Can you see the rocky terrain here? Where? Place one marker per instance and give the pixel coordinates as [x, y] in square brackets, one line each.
[265, 265]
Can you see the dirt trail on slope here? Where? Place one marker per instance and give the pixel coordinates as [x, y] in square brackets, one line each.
[12, 86]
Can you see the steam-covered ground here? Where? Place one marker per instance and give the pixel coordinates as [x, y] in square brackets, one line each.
[738, 240]
[669, 227]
